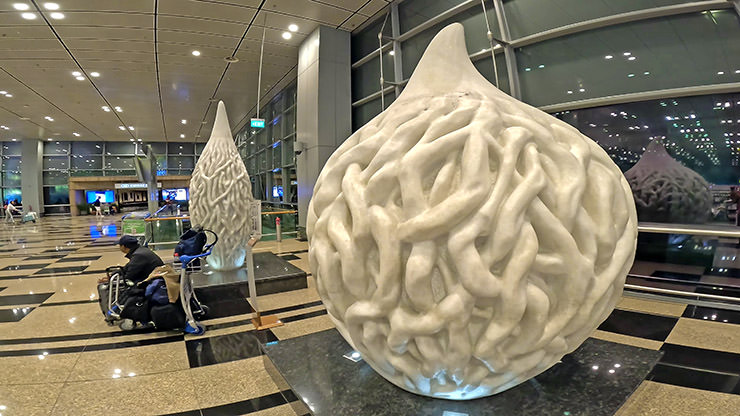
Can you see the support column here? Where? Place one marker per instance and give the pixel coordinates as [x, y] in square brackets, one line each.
[32, 191]
[324, 106]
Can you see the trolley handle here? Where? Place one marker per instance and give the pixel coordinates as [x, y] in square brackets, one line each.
[186, 260]
[208, 247]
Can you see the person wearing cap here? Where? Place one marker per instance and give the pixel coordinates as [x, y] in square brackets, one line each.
[142, 261]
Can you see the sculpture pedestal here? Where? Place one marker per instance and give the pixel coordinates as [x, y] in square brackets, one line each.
[583, 383]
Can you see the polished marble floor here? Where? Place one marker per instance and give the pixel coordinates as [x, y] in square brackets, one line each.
[58, 357]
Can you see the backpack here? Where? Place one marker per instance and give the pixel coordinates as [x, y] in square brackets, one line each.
[191, 243]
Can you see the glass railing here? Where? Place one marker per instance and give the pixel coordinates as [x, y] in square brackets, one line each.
[695, 264]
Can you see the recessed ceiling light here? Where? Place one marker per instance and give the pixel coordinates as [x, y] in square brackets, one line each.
[3, 92]
[9, 95]
[608, 57]
[231, 59]
[49, 139]
[13, 140]
[195, 53]
[581, 90]
[121, 128]
[105, 108]
[119, 109]
[721, 73]
[21, 6]
[28, 15]
[287, 35]
[95, 74]
[76, 134]
[57, 16]
[182, 136]
[130, 127]
[293, 28]
[131, 140]
[76, 73]
[569, 92]
[183, 121]
[80, 78]
[51, 6]
[631, 58]
[391, 53]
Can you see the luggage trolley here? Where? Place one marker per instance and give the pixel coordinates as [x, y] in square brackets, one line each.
[116, 286]
[190, 303]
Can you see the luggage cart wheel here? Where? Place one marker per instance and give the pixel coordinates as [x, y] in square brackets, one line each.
[203, 312]
[127, 325]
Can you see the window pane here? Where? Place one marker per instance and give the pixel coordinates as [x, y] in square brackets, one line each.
[119, 148]
[55, 195]
[86, 173]
[159, 148]
[288, 153]
[180, 148]
[367, 41]
[12, 194]
[119, 172]
[366, 112]
[526, 17]
[11, 148]
[12, 164]
[178, 163]
[677, 51]
[199, 148]
[119, 162]
[55, 178]
[56, 162]
[12, 179]
[87, 162]
[87, 148]
[700, 132]
[56, 148]
[366, 79]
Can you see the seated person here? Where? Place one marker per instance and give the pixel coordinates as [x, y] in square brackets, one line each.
[142, 260]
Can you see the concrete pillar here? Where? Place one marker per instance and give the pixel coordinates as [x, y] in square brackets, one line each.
[32, 192]
[324, 106]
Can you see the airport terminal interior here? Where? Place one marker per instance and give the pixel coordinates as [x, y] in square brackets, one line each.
[109, 127]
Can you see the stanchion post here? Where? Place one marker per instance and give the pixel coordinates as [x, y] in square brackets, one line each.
[278, 230]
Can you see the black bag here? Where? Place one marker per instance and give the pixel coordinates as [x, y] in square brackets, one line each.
[136, 306]
[191, 243]
[168, 317]
[104, 289]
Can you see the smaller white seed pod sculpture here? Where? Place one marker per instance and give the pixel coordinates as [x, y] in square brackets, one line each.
[464, 241]
[220, 195]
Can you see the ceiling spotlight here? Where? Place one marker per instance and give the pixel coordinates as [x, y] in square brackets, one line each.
[195, 53]
[183, 121]
[49, 139]
[392, 53]
[287, 35]
[627, 54]
[3, 92]
[130, 127]
[76, 73]
[9, 95]
[581, 90]
[76, 134]
[57, 16]
[721, 73]
[631, 58]
[105, 108]
[293, 27]
[121, 128]
[49, 118]
[608, 57]
[80, 78]
[28, 15]
[20, 6]
[51, 6]
[95, 74]
[119, 109]
[182, 136]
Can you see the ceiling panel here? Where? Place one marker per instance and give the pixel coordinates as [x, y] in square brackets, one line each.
[98, 19]
[26, 32]
[110, 44]
[206, 11]
[372, 7]
[100, 33]
[140, 6]
[196, 40]
[195, 25]
[328, 15]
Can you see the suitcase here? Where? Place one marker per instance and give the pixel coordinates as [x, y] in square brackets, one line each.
[30, 217]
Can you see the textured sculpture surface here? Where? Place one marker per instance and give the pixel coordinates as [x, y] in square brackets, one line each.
[463, 241]
[667, 191]
[220, 195]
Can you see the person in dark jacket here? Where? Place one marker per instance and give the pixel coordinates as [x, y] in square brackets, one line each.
[142, 261]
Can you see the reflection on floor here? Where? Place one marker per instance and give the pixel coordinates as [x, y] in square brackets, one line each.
[58, 357]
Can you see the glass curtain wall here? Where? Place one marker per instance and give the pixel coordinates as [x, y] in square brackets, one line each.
[63, 159]
[11, 172]
[627, 73]
[268, 152]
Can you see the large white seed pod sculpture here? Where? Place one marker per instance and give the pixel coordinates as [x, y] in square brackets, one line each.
[667, 191]
[464, 241]
[220, 195]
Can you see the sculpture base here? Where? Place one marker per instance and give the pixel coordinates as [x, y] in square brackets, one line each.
[594, 380]
[225, 292]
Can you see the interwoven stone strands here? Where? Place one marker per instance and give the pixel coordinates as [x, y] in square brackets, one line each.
[220, 195]
[667, 191]
[464, 241]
